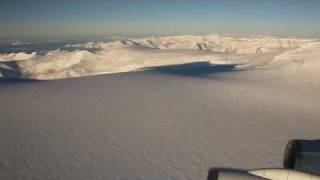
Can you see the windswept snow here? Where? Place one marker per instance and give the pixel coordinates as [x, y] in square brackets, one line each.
[136, 54]
[151, 126]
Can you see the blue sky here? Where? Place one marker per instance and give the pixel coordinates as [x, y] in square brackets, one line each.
[31, 18]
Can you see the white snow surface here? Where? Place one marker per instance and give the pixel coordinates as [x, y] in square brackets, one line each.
[21, 56]
[135, 54]
[152, 126]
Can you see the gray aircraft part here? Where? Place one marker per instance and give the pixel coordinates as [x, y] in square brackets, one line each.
[301, 162]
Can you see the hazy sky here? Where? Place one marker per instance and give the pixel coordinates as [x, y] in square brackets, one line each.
[27, 18]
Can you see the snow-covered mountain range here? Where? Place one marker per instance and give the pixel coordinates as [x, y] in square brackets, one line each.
[135, 54]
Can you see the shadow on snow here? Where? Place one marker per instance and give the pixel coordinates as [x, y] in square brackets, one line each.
[196, 69]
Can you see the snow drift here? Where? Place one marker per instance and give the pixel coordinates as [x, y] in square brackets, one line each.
[136, 54]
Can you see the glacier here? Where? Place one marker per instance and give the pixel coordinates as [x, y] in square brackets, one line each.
[127, 55]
